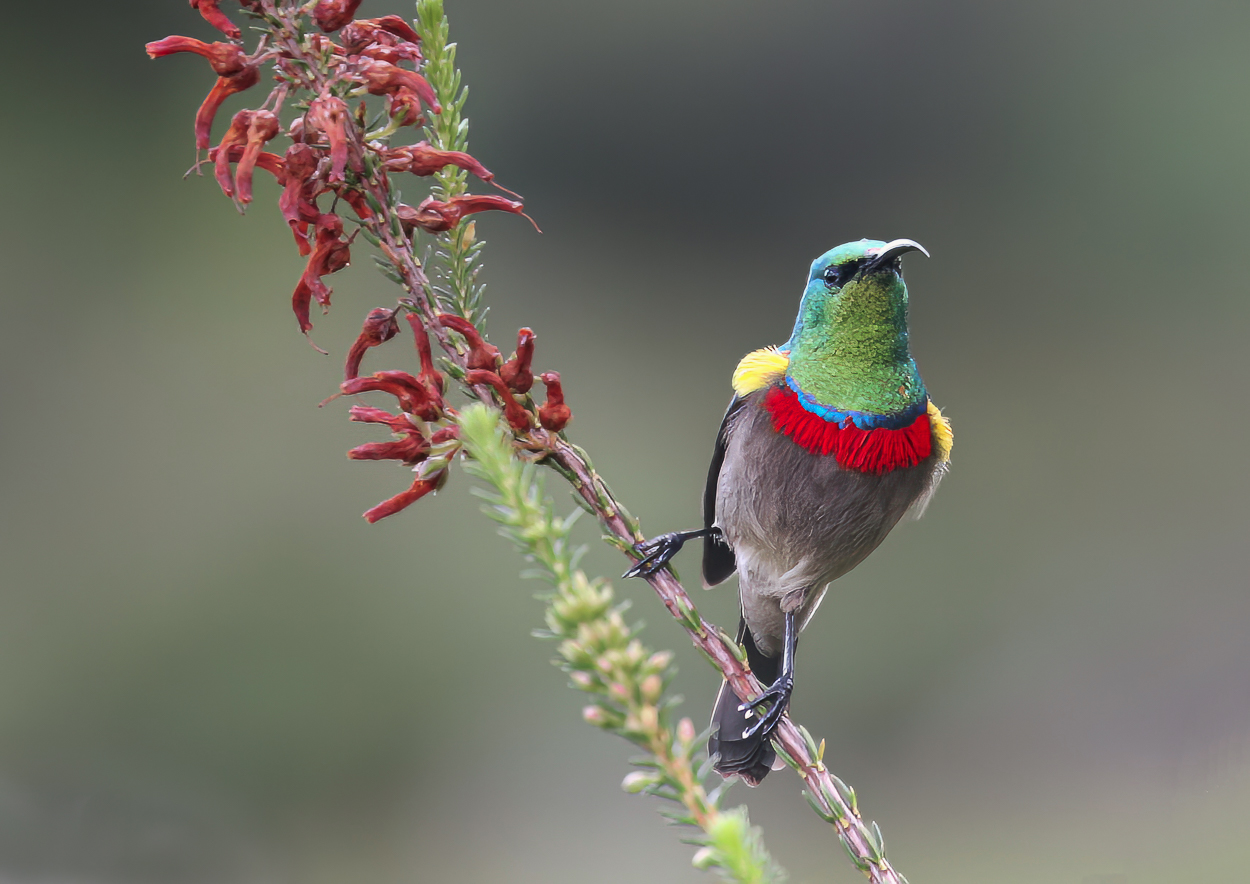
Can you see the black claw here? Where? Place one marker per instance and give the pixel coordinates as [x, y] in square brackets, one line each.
[779, 695]
[658, 551]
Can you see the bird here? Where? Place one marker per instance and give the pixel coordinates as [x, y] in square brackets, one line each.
[829, 440]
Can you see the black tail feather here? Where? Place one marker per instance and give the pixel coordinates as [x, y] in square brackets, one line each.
[753, 757]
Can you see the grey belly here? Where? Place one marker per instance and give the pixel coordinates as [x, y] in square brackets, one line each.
[797, 521]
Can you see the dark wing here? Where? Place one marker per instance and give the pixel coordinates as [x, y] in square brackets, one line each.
[718, 558]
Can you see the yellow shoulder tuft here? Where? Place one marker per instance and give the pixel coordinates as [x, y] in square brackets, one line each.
[759, 368]
[942, 434]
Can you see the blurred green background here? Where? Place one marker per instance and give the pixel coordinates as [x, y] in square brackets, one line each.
[211, 669]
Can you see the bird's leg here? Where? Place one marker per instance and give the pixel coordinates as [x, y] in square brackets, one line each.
[657, 551]
[779, 691]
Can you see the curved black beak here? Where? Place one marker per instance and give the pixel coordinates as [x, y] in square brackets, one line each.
[891, 251]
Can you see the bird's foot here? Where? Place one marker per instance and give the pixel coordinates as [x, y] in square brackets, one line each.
[777, 696]
[658, 551]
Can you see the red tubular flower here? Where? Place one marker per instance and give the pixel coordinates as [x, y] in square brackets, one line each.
[367, 414]
[420, 488]
[429, 377]
[331, 15]
[246, 78]
[388, 38]
[436, 216]
[330, 254]
[413, 397]
[405, 88]
[217, 18]
[236, 136]
[329, 115]
[263, 127]
[411, 449]
[422, 159]
[554, 415]
[270, 162]
[298, 202]
[379, 326]
[516, 414]
[482, 356]
[393, 24]
[516, 371]
[390, 54]
[225, 58]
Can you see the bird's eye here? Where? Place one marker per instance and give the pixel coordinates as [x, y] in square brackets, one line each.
[841, 274]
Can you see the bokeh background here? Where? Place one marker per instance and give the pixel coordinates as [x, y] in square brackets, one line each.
[212, 670]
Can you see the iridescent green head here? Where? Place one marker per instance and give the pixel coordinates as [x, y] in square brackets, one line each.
[849, 347]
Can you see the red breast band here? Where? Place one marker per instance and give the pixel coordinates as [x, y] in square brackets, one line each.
[870, 451]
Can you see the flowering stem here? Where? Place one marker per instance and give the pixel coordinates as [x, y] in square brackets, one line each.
[333, 153]
[604, 657]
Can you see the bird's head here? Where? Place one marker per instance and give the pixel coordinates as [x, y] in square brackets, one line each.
[856, 285]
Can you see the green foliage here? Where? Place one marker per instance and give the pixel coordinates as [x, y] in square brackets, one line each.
[734, 846]
[456, 261]
[605, 658]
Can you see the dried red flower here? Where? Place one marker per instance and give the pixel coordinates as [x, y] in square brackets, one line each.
[420, 488]
[413, 396]
[379, 326]
[393, 24]
[298, 202]
[217, 18]
[270, 162]
[422, 159]
[406, 89]
[263, 127]
[516, 371]
[236, 136]
[388, 38]
[554, 415]
[367, 414]
[331, 15]
[246, 78]
[411, 449]
[481, 355]
[330, 254]
[518, 418]
[407, 216]
[436, 216]
[225, 58]
[429, 377]
[329, 115]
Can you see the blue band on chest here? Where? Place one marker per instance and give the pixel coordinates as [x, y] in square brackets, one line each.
[863, 419]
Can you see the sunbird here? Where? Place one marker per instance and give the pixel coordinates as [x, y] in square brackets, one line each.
[829, 440]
